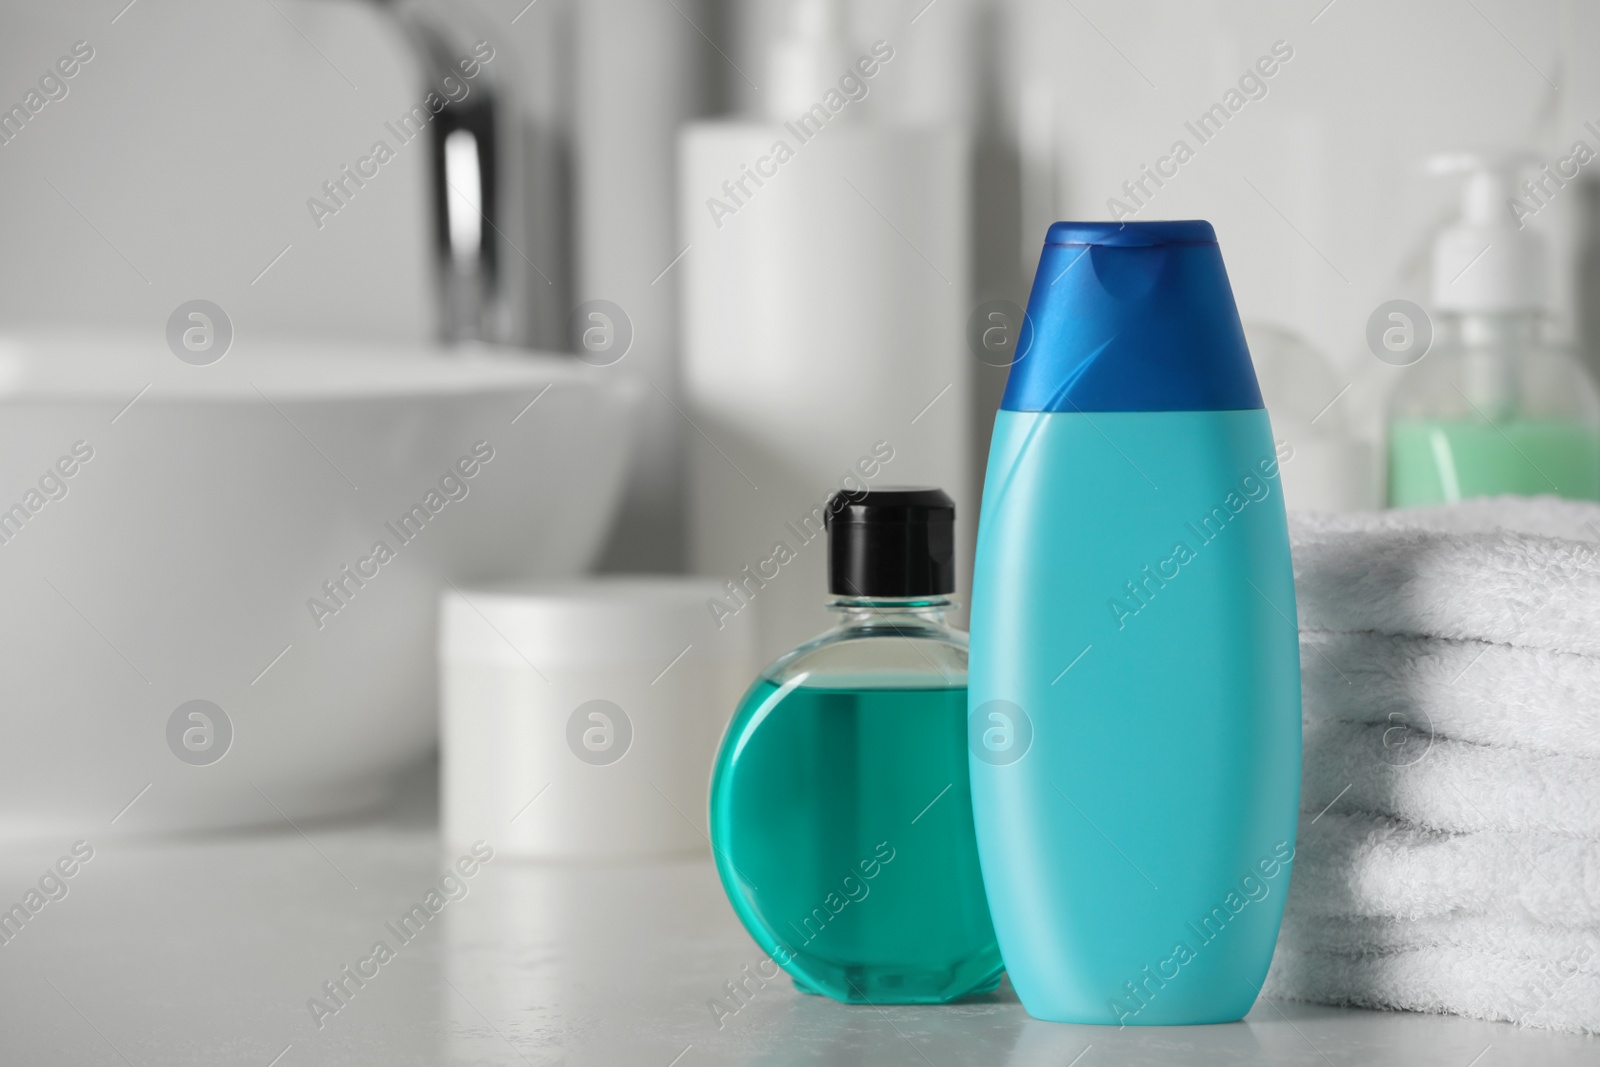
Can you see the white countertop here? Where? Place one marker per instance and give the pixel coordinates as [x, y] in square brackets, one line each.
[207, 952]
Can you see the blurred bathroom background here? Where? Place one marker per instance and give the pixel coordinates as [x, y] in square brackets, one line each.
[180, 163]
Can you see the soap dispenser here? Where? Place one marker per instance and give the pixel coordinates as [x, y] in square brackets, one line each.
[841, 809]
[1492, 407]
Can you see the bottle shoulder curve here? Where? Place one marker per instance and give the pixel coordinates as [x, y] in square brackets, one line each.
[878, 655]
[1541, 381]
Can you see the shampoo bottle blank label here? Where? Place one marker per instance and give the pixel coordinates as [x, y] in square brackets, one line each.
[1134, 710]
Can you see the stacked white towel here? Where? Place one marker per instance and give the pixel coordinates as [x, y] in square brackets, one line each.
[1449, 851]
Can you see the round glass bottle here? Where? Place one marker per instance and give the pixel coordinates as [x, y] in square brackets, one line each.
[841, 812]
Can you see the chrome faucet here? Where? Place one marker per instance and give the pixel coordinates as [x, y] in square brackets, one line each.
[497, 185]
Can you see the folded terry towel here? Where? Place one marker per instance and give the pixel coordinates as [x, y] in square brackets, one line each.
[1459, 572]
[1490, 694]
[1368, 866]
[1553, 993]
[1508, 937]
[1408, 773]
[1543, 516]
[1449, 854]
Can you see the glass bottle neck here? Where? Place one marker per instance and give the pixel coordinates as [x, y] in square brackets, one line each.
[1496, 331]
[1491, 348]
[857, 611]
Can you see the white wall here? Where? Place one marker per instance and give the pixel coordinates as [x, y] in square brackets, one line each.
[191, 142]
[1317, 190]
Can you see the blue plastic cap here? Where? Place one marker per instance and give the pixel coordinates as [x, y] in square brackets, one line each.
[1132, 316]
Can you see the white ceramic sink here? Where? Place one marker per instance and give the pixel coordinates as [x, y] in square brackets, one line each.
[186, 558]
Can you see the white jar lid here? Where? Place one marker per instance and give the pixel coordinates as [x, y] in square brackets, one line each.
[623, 620]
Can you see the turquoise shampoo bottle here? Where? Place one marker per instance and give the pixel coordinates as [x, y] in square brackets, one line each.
[1134, 688]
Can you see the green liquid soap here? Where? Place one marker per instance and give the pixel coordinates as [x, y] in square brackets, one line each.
[1437, 461]
[841, 819]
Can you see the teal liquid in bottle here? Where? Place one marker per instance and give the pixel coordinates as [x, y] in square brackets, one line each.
[841, 810]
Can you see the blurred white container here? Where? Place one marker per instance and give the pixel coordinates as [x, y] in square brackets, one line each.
[580, 720]
[825, 296]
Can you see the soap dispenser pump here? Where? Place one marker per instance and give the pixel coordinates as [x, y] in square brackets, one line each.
[807, 58]
[1493, 407]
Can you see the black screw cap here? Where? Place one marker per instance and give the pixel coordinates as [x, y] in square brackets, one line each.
[891, 542]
